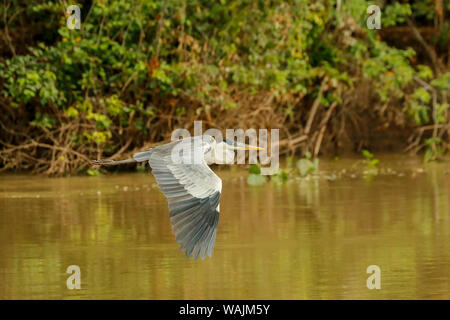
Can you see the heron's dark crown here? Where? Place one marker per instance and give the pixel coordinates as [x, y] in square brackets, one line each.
[228, 141]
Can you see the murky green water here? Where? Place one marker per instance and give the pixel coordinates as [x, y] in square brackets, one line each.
[306, 239]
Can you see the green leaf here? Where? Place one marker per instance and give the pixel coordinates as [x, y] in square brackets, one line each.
[254, 169]
[280, 176]
[93, 172]
[71, 112]
[443, 82]
[367, 154]
[424, 72]
[422, 94]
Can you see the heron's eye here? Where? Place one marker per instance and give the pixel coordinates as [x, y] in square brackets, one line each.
[228, 141]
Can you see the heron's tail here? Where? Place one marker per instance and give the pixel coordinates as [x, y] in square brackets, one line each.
[106, 162]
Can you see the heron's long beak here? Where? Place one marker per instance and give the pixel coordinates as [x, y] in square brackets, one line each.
[253, 148]
[242, 146]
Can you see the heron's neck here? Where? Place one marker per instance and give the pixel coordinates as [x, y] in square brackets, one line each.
[220, 154]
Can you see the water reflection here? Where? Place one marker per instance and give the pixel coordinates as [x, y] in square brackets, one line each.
[304, 239]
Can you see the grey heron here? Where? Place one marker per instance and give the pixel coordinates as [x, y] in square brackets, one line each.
[192, 189]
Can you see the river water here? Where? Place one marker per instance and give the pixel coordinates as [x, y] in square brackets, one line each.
[308, 238]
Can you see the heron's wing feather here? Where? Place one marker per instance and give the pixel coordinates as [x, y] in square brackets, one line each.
[193, 192]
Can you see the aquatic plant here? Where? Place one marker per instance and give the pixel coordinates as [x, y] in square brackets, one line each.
[307, 166]
[371, 164]
[255, 178]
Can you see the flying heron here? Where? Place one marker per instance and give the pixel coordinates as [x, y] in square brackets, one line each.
[192, 189]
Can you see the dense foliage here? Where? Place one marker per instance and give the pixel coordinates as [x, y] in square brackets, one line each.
[138, 69]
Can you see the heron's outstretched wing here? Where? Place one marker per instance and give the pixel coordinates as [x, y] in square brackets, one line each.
[193, 192]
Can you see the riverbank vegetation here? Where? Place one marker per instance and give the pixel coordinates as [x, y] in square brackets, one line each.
[136, 70]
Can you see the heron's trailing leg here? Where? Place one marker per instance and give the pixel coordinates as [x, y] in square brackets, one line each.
[106, 162]
[137, 157]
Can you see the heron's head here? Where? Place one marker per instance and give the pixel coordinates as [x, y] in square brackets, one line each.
[234, 145]
[224, 150]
